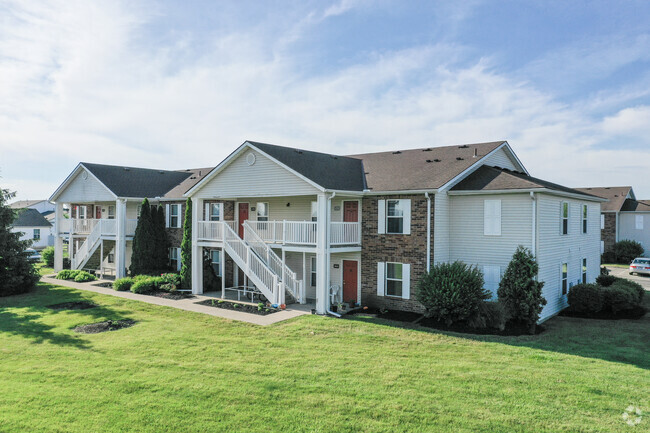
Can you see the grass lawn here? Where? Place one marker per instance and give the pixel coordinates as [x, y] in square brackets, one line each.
[176, 371]
[614, 265]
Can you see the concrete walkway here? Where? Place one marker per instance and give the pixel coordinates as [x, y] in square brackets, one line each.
[189, 304]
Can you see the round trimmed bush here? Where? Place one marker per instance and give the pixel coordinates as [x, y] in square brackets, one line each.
[123, 284]
[146, 284]
[83, 276]
[627, 250]
[620, 297]
[452, 292]
[586, 298]
[605, 280]
[47, 255]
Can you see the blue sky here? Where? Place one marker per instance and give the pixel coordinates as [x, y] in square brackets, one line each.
[176, 84]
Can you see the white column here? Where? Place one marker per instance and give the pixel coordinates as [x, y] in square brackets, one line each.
[58, 237]
[197, 251]
[223, 272]
[322, 290]
[120, 238]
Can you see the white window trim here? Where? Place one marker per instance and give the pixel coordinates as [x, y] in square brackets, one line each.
[563, 279]
[382, 216]
[39, 235]
[382, 279]
[169, 209]
[562, 217]
[492, 217]
[257, 211]
[602, 221]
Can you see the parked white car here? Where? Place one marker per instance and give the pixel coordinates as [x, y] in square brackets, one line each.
[34, 256]
[640, 265]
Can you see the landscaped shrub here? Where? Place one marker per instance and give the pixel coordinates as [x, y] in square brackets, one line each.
[519, 291]
[146, 285]
[605, 280]
[123, 284]
[627, 250]
[586, 298]
[636, 287]
[170, 282]
[47, 255]
[489, 315]
[452, 292]
[83, 276]
[67, 274]
[620, 297]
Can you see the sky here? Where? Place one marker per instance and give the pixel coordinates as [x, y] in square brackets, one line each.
[181, 84]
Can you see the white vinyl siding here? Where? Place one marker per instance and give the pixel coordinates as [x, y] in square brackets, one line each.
[264, 178]
[554, 249]
[501, 159]
[441, 227]
[638, 222]
[492, 217]
[492, 276]
[628, 225]
[85, 190]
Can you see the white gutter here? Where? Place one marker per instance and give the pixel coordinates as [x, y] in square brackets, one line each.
[534, 222]
[426, 194]
[528, 190]
[327, 254]
[404, 191]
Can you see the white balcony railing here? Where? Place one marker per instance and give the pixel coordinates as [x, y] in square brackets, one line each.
[345, 233]
[86, 226]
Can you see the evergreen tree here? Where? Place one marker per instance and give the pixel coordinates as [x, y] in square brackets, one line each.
[17, 274]
[142, 261]
[519, 291]
[162, 240]
[186, 247]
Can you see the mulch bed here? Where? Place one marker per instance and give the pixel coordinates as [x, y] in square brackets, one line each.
[410, 318]
[77, 305]
[634, 314]
[169, 295]
[106, 285]
[245, 308]
[109, 325]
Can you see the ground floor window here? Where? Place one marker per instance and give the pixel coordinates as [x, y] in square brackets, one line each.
[394, 279]
[111, 258]
[37, 234]
[215, 262]
[312, 281]
[565, 279]
[584, 271]
[174, 259]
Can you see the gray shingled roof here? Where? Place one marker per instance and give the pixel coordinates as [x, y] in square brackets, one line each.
[615, 194]
[420, 169]
[329, 171]
[487, 178]
[196, 174]
[137, 182]
[30, 218]
[20, 204]
[635, 206]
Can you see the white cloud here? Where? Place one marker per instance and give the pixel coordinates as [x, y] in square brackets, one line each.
[83, 86]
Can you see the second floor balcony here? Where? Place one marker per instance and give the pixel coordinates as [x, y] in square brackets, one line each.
[84, 227]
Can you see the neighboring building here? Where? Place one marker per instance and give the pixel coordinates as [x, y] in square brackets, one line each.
[104, 204]
[42, 206]
[34, 227]
[623, 217]
[376, 222]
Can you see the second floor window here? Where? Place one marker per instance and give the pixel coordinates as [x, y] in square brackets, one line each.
[37, 234]
[111, 212]
[394, 216]
[214, 212]
[314, 211]
[175, 215]
[564, 214]
[584, 218]
[262, 211]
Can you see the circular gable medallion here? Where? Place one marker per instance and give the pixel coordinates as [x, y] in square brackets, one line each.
[250, 159]
[84, 175]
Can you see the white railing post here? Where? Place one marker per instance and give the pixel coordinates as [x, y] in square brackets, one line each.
[284, 232]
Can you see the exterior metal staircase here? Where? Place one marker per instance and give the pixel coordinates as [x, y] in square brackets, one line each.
[87, 249]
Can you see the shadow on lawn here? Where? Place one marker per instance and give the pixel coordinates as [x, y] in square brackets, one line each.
[622, 341]
[28, 324]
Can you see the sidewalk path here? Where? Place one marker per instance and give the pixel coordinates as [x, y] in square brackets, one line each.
[187, 304]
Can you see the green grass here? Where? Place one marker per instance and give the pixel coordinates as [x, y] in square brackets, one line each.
[176, 371]
[614, 265]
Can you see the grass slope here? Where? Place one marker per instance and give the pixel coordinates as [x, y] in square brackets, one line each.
[176, 371]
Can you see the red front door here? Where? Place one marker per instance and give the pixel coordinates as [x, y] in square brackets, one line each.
[350, 269]
[243, 216]
[350, 211]
[98, 212]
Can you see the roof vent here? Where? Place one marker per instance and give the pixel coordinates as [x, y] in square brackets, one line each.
[334, 157]
[199, 172]
[298, 151]
[161, 172]
[428, 160]
[458, 158]
[397, 152]
[475, 152]
[464, 146]
[192, 177]
[126, 168]
[436, 160]
[428, 149]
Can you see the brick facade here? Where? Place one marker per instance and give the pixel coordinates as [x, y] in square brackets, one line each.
[608, 234]
[397, 248]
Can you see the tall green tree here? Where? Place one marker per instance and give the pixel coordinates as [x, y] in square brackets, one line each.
[17, 273]
[186, 247]
[519, 291]
[144, 243]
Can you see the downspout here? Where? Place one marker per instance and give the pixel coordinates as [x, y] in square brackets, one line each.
[327, 254]
[426, 194]
[534, 224]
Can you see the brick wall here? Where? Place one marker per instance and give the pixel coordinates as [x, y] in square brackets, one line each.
[608, 234]
[398, 248]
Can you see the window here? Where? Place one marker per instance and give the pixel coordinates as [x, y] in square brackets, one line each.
[564, 214]
[111, 258]
[215, 262]
[111, 211]
[492, 217]
[174, 262]
[394, 216]
[584, 218]
[312, 280]
[602, 221]
[602, 247]
[394, 279]
[262, 211]
[565, 278]
[584, 271]
[314, 211]
[174, 215]
[81, 212]
[37, 234]
[639, 222]
[214, 212]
